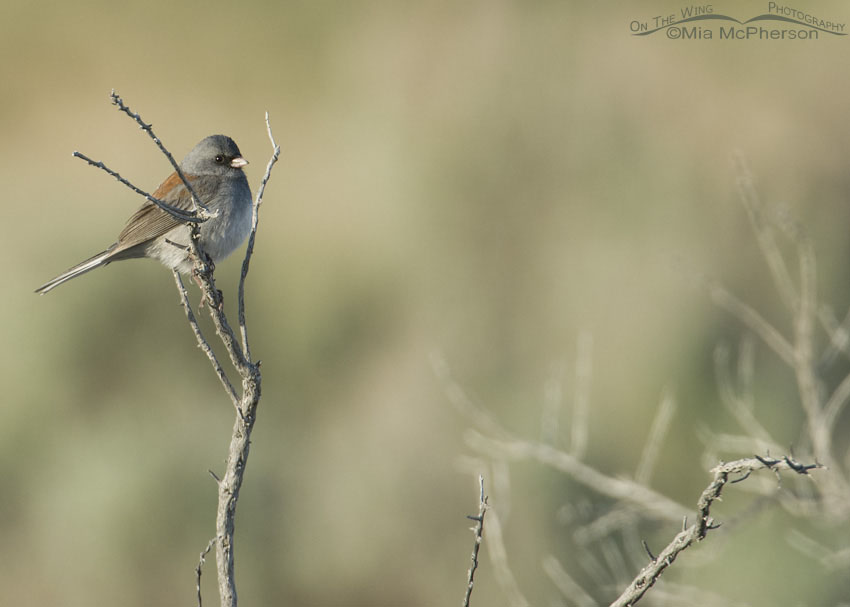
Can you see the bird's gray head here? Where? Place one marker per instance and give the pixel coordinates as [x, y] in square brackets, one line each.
[215, 155]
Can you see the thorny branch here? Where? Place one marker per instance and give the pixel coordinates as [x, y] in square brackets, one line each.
[797, 351]
[201, 560]
[255, 217]
[478, 530]
[230, 482]
[202, 211]
[187, 216]
[821, 406]
[704, 523]
[202, 342]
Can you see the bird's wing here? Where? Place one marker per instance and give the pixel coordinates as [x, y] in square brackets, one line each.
[151, 222]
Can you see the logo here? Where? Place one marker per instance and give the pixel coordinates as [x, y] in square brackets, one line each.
[701, 22]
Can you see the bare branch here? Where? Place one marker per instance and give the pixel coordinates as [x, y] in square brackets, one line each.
[741, 407]
[187, 216]
[202, 211]
[829, 558]
[246, 404]
[201, 560]
[605, 525]
[704, 523]
[839, 334]
[240, 441]
[203, 344]
[255, 218]
[478, 530]
[735, 443]
[800, 354]
[836, 403]
[654, 503]
[653, 445]
[746, 369]
[569, 588]
[754, 321]
[804, 366]
[499, 557]
[614, 560]
[458, 398]
[764, 234]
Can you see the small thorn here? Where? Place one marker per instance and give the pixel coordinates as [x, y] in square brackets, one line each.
[767, 462]
[648, 551]
[743, 478]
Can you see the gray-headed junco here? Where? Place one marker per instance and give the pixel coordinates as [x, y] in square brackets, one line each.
[214, 168]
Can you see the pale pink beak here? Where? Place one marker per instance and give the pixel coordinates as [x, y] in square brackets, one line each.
[238, 162]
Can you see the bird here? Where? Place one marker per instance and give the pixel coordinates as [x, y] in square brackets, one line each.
[214, 169]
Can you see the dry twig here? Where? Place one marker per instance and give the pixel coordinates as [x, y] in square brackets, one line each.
[245, 403]
[478, 530]
[704, 523]
[201, 560]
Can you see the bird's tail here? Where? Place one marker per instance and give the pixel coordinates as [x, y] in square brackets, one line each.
[101, 259]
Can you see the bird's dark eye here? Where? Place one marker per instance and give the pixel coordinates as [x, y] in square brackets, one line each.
[219, 159]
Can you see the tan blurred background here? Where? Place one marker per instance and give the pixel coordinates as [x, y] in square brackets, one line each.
[484, 180]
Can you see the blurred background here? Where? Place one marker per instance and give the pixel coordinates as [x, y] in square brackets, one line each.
[480, 181]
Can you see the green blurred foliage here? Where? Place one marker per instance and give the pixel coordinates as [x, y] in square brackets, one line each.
[484, 180]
